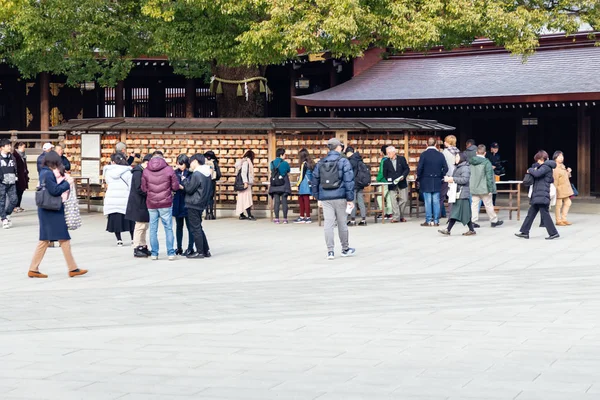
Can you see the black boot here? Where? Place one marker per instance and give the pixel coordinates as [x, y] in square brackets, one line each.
[139, 252]
[146, 250]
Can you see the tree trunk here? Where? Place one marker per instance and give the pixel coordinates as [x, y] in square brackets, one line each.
[229, 104]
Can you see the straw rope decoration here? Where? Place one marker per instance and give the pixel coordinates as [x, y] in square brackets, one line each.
[264, 88]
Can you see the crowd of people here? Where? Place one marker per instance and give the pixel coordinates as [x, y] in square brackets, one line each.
[143, 190]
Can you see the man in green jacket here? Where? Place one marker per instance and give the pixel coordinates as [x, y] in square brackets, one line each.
[483, 187]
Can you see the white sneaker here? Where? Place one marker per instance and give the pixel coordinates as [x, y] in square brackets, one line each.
[330, 255]
[5, 224]
[172, 258]
[349, 252]
[9, 221]
[154, 258]
[119, 243]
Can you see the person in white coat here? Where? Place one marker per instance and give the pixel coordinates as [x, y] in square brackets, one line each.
[117, 176]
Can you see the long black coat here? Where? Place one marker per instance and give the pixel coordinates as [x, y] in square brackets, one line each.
[432, 168]
[542, 175]
[22, 172]
[136, 205]
[52, 223]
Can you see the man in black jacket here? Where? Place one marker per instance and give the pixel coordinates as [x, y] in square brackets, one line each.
[359, 199]
[137, 210]
[395, 172]
[198, 192]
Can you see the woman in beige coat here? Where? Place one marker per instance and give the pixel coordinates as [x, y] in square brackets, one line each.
[244, 198]
[563, 189]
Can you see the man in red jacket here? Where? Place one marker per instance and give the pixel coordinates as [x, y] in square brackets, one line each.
[159, 182]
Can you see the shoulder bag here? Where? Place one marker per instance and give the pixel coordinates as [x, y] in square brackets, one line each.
[44, 200]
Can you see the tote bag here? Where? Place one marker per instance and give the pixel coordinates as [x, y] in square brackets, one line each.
[452, 192]
[72, 214]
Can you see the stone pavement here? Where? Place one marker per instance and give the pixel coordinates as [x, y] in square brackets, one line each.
[413, 316]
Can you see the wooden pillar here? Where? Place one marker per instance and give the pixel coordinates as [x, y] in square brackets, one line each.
[44, 102]
[119, 104]
[190, 98]
[293, 107]
[272, 144]
[584, 144]
[522, 148]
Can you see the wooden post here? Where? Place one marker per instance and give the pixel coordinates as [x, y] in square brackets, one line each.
[584, 144]
[522, 147]
[293, 108]
[272, 144]
[190, 98]
[119, 99]
[44, 103]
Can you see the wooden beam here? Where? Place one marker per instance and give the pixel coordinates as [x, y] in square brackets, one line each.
[272, 144]
[522, 147]
[44, 102]
[584, 144]
[119, 99]
[190, 98]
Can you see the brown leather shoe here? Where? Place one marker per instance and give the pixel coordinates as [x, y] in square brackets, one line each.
[561, 223]
[77, 272]
[36, 274]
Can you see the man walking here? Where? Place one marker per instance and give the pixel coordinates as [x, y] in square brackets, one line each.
[482, 185]
[450, 151]
[362, 179]
[198, 192]
[430, 172]
[137, 210]
[395, 172]
[8, 183]
[159, 182]
[333, 186]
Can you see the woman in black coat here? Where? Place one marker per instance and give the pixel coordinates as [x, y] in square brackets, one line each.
[138, 211]
[53, 226]
[542, 172]
[22, 173]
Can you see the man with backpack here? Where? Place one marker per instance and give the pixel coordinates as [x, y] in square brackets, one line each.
[395, 172]
[333, 186]
[362, 179]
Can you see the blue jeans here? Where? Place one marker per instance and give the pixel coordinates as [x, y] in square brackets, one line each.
[432, 207]
[166, 217]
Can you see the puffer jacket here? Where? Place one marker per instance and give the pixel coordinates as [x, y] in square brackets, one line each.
[562, 182]
[159, 182]
[462, 176]
[198, 188]
[346, 176]
[542, 175]
[118, 186]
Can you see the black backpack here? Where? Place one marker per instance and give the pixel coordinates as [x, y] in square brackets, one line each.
[276, 178]
[362, 178]
[329, 174]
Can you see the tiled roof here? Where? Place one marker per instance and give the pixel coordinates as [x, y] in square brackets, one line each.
[470, 78]
[251, 124]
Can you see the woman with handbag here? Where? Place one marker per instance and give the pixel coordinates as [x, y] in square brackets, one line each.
[51, 216]
[564, 190]
[117, 176]
[306, 167]
[461, 209]
[244, 169]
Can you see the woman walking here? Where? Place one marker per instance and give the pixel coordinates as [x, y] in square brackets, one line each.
[542, 175]
[280, 187]
[180, 212]
[564, 190]
[117, 176]
[22, 174]
[306, 167]
[461, 209]
[213, 162]
[53, 226]
[244, 197]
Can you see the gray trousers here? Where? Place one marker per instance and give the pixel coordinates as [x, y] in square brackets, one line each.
[359, 202]
[335, 211]
[399, 199]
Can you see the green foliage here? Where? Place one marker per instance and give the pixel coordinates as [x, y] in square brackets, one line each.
[70, 37]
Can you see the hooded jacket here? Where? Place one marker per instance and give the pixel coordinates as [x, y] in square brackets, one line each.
[118, 184]
[346, 176]
[482, 176]
[159, 182]
[543, 178]
[198, 188]
[8, 169]
[462, 176]
[471, 152]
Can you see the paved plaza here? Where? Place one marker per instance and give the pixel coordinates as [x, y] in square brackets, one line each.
[413, 316]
